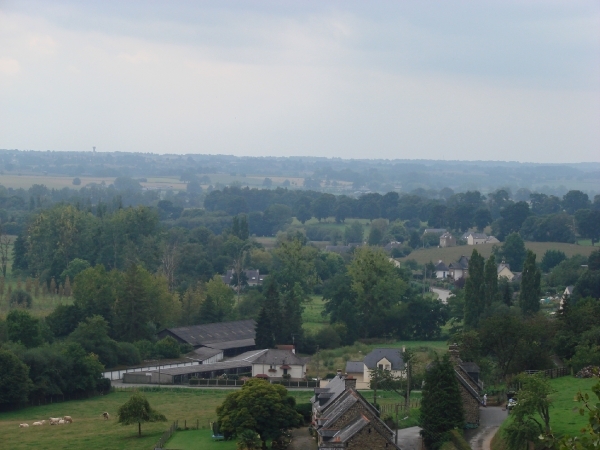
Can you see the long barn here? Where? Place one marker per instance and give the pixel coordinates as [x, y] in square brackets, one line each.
[233, 338]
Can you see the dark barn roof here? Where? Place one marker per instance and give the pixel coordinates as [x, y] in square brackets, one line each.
[214, 333]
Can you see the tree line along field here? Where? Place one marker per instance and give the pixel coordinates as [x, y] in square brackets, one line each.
[450, 254]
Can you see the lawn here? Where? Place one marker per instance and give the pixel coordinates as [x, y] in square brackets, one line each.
[198, 440]
[91, 432]
[312, 319]
[563, 418]
[450, 254]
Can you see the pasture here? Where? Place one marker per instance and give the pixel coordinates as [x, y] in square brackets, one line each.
[450, 254]
[90, 431]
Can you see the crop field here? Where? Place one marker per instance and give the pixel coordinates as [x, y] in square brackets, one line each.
[90, 431]
[449, 254]
[51, 182]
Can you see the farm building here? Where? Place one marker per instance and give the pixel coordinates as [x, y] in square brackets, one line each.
[242, 364]
[232, 338]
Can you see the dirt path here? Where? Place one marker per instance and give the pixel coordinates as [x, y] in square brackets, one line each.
[301, 440]
[490, 420]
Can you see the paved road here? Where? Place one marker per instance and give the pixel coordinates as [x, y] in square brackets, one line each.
[443, 294]
[409, 438]
[490, 419]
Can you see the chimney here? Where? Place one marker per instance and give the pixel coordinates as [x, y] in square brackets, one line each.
[454, 354]
[350, 382]
[339, 373]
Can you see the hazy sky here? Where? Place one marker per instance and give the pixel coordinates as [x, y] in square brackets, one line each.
[490, 80]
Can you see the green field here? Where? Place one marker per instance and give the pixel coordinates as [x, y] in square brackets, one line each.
[312, 319]
[450, 254]
[89, 431]
[198, 440]
[564, 416]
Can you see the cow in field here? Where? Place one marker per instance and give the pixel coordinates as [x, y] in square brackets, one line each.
[35, 424]
[68, 419]
[23, 425]
[106, 415]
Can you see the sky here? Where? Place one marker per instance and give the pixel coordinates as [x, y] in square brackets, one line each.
[457, 80]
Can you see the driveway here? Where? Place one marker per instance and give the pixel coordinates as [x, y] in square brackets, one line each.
[409, 438]
[302, 440]
[443, 294]
[490, 419]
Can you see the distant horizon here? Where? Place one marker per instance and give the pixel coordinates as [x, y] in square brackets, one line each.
[315, 157]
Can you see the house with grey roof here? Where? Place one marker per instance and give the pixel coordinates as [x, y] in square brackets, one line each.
[278, 364]
[382, 358]
[253, 278]
[460, 268]
[447, 240]
[441, 270]
[343, 418]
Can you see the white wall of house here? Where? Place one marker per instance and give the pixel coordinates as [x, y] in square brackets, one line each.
[275, 370]
[441, 274]
[385, 364]
[475, 241]
[505, 272]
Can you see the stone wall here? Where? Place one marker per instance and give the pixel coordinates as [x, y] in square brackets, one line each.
[470, 405]
[368, 440]
[353, 412]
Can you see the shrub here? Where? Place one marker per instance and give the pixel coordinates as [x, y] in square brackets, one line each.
[167, 348]
[103, 385]
[327, 337]
[305, 409]
[20, 298]
[76, 181]
[128, 354]
[145, 347]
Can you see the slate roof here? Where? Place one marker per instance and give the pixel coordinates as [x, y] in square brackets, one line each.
[502, 265]
[393, 355]
[355, 367]
[470, 367]
[461, 379]
[233, 344]
[279, 357]
[478, 235]
[212, 333]
[350, 430]
[333, 390]
[203, 353]
[462, 263]
[441, 266]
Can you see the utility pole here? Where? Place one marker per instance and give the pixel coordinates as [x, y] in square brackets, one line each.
[318, 382]
[407, 381]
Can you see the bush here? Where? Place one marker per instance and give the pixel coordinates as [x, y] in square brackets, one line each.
[327, 337]
[145, 347]
[167, 348]
[128, 354]
[76, 181]
[20, 298]
[305, 410]
[103, 385]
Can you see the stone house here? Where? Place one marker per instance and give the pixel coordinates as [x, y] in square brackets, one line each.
[342, 418]
[447, 240]
[469, 387]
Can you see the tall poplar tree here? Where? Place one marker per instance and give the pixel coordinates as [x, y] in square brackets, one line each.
[529, 295]
[474, 291]
[265, 337]
[491, 293]
[132, 312]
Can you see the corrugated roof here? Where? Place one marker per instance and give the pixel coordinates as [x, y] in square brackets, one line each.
[212, 333]
[233, 344]
[203, 353]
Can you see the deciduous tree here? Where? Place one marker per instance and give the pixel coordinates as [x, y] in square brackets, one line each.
[138, 410]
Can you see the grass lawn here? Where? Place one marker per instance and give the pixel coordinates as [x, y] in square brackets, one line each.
[197, 440]
[89, 431]
[312, 319]
[563, 418]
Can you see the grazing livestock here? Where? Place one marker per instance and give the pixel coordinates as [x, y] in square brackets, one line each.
[61, 422]
[23, 425]
[106, 415]
[43, 422]
[35, 424]
[54, 420]
[68, 419]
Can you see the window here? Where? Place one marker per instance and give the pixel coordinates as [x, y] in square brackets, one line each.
[381, 366]
[285, 371]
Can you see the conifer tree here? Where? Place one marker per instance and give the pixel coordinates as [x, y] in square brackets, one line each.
[132, 311]
[529, 295]
[270, 328]
[474, 291]
[491, 281]
[441, 405]
[265, 336]
[208, 311]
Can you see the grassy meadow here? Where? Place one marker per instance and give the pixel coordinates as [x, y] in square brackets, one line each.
[198, 440]
[564, 416]
[90, 431]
